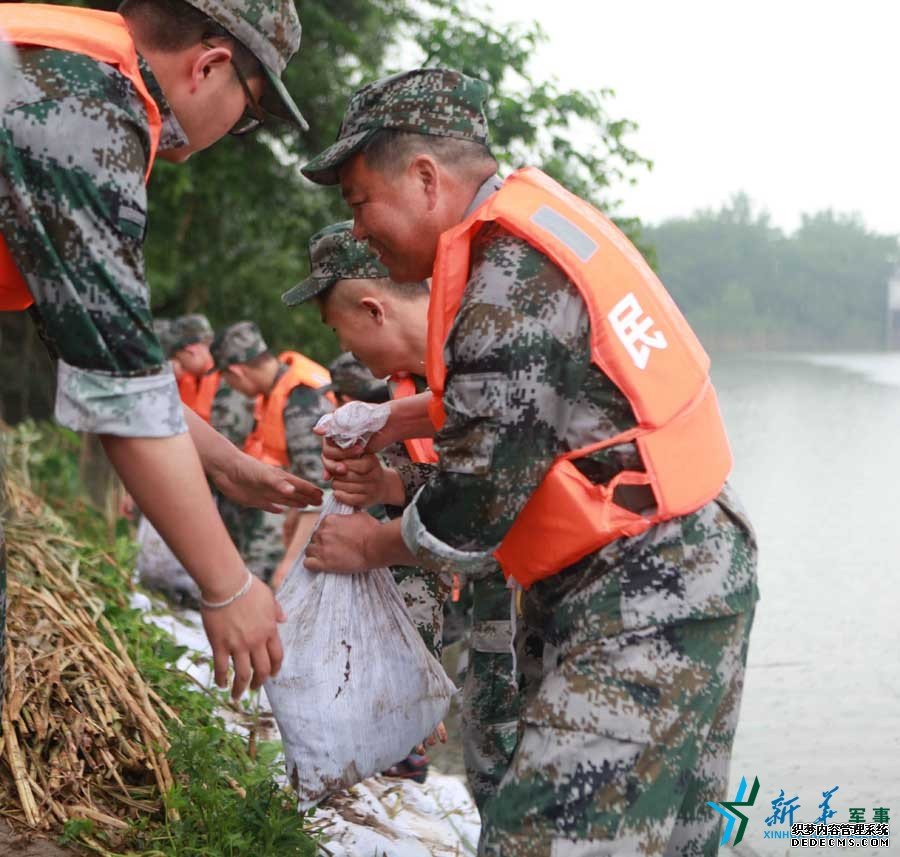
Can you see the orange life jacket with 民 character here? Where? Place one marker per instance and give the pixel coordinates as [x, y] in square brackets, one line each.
[638, 338]
[103, 36]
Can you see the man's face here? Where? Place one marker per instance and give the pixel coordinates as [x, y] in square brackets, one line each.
[394, 215]
[239, 378]
[207, 98]
[362, 327]
[195, 358]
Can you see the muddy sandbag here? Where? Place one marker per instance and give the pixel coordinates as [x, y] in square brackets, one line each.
[358, 688]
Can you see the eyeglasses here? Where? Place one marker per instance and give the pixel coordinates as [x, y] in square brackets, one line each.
[253, 116]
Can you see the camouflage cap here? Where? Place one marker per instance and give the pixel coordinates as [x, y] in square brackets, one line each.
[162, 329]
[270, 30]
[334, 254]
[239, 343]
[435, 101]
[350, 378]
[188, 329]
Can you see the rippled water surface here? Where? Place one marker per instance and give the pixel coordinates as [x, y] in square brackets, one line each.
[817, 447]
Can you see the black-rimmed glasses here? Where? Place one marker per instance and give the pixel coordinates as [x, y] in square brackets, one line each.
[253, 116]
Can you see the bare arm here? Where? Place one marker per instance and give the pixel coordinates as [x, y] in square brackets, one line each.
[409, 419]
[166, 480]
[244, 479]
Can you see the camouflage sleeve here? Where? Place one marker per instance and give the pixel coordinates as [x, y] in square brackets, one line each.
[517, 358]
[73, 207]
[413, 475]
[304, 407]
[232, 414]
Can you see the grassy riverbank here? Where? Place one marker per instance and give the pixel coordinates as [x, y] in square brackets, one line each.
[210, 792]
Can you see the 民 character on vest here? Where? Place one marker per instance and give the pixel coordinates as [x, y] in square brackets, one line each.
[97, 97]
[385, 325]
[580, 445]
[289, 400]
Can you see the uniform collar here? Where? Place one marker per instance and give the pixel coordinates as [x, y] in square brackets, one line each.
[488, 188]
[172, 135]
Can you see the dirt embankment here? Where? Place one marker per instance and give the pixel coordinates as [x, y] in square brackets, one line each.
[12, 845]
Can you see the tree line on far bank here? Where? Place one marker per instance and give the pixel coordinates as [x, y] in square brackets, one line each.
[745, 285]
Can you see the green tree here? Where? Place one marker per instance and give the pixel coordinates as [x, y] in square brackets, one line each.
[746, 284]
[228, 230]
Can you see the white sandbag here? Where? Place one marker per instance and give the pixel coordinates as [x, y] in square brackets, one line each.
[358, 689]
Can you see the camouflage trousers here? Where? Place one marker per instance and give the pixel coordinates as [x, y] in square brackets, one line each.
[257, 534]
[424, 594]
[622, 741]
[490, 701]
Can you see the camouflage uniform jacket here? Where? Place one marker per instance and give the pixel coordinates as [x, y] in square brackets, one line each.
[73, 210]
[520, 391]
[232, 414]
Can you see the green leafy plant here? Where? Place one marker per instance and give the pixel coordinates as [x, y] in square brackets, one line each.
[227, 800]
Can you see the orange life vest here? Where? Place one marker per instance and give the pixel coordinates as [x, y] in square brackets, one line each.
[103, 36]
[420, 449]
[268, 440]
[639, 339]
[198, 393]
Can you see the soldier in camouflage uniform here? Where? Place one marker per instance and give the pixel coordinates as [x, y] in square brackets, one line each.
[633, 657]
[349, 283]
[188, 342]
[423, 593]
[75, 146]
[243, 357]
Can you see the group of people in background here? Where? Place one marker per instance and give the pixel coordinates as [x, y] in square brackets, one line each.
[553, 440]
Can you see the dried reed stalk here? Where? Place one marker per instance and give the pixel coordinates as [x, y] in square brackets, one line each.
[83, 734]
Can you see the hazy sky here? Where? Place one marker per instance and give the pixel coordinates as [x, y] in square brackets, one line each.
[796, 102]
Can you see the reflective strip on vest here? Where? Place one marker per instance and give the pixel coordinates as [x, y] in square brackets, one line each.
[103, 36]
[268, 440]
[639, 339]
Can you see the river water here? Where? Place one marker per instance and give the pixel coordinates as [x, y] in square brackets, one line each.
[816, 440]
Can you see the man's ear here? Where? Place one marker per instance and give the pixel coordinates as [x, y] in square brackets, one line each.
[374, 308]
[426, 172]
[208, 62]
[239, 371]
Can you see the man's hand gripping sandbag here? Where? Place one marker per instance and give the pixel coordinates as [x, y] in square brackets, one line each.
[357, 688]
